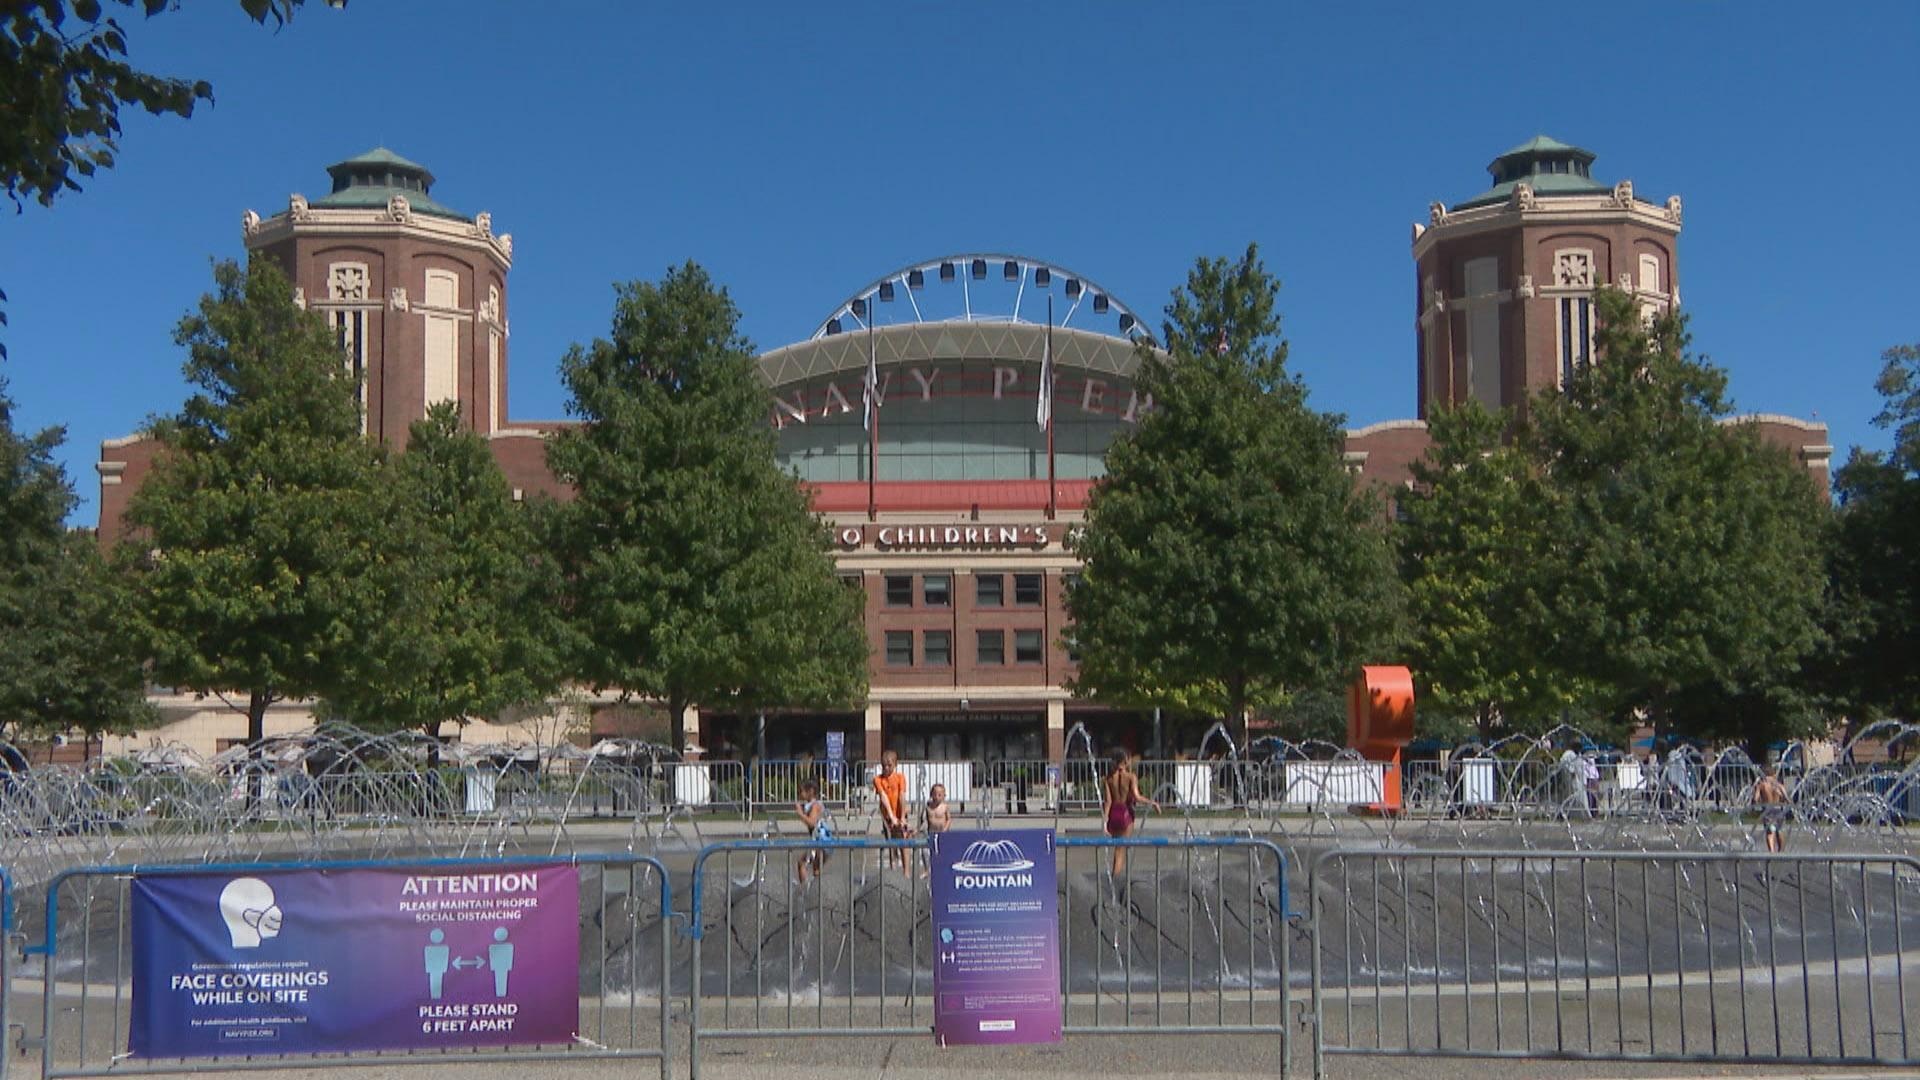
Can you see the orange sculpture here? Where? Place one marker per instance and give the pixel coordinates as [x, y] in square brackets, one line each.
[1380, 724]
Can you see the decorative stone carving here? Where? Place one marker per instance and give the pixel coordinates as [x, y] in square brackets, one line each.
[483, 223]
[1573, 269]
[347, 281]
[297, 207]
[1524, 289]
[1673, 209]
[490, 307]
[1626, 282]
[1438, 300]
[398, 299]
[300, 298]
[1417, 230]
[1623, 194]
[399, 209]
[249, 223]
[506, 244]
[1523, 197]
[1437, 214]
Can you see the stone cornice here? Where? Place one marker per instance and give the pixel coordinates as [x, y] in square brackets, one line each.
[302, 220]
[1599, 209]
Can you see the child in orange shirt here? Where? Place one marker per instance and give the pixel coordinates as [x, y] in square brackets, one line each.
[891, 784]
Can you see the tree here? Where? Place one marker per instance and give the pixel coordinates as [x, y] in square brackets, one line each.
[1684, 567]
[1874, 563]
[697, 573]
[253, 538]
[464, 629]
[1471, 542]
[1230, 558]
[64, 69]
[69, 661]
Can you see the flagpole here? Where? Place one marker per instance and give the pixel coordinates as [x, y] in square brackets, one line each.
[1053, 488]
[873, 434]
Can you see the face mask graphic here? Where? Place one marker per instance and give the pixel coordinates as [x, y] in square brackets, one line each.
[247, 907]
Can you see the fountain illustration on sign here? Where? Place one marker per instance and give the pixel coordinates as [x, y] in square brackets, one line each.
[992, 857]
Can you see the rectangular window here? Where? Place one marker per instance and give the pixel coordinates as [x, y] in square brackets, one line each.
[1026, 646]
[936, 648]
[989, 647]
[899, 648]
[1484, 376]
[1576, 335]
[899, 590]
[989, 590]
[937, 590]
[1026, 590]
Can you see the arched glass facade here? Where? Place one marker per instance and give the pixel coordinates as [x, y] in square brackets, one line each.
[953, 420]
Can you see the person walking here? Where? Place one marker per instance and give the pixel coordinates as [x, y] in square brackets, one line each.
[1771, 796]
[1119, 794]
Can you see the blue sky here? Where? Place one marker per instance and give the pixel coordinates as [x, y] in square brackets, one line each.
[801, 150]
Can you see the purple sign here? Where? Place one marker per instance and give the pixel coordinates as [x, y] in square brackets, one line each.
[996, 938]
[299, 961]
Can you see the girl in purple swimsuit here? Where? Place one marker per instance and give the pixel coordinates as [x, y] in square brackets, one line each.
[1119, 791]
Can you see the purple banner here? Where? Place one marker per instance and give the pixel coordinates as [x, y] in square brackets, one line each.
[402, 958]
[996, 938]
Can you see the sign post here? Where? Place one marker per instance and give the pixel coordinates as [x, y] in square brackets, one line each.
[316, 960]
[996, 938]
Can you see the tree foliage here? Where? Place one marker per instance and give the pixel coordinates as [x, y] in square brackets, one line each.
[66, 75]
[697, 573]
[1874, 603]
[1684, 556]
[1230, 558]
[1472, 539]
[69, 661]
[254, 536]
[468, 600]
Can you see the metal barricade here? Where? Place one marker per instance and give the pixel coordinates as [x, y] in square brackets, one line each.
[1617, 956]
[626, 994]
[1191, 938]
[776, 784]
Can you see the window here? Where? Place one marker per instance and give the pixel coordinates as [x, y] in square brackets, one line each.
[1650, 273]
[989, 590]
[1576, 335]
[989, 647]
[1026, 590]
[936, 648]
[1484, 377]
[899, 648]
[1026, 646]
[899, 590]
[937, 590]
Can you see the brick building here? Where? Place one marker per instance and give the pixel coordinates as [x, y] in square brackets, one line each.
[951, 520]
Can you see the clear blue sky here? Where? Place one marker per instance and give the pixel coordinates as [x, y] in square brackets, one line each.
[800, 150]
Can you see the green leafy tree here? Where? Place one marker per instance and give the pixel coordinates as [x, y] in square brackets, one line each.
[1684, 569]
[66, 76]
[1471, 541]
[1874, 563]
[253, 538]
[69, 661]
[697, 573]
[465, 629]
[1230, 558]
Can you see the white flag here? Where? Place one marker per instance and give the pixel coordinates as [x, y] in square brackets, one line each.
[1044, 412]
[870, 389]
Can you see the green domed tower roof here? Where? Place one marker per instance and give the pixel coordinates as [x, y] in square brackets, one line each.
[368, 181]
[1552, 168]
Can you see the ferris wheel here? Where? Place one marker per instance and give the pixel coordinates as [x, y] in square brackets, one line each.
[983, 288]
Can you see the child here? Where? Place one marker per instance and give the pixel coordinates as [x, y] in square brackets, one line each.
[891, 784]
[939, 816]
[813, 813]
